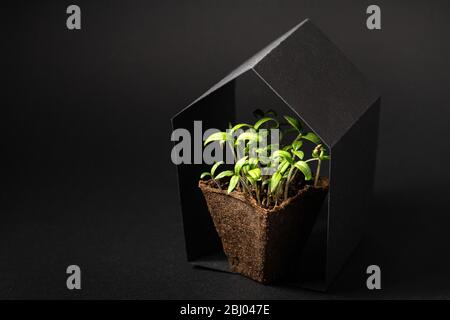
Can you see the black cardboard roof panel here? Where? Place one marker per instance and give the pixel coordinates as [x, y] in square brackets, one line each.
[245, 66]
[310, 73]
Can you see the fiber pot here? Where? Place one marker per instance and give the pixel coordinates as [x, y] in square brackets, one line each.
[263, 244]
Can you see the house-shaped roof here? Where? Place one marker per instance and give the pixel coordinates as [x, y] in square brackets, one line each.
[313, 77]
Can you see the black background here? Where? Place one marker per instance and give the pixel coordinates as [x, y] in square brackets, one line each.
[87, 177]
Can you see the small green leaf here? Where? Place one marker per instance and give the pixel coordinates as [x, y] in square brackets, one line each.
[300, 154]
[260, 122]
[297, 144]
[233, 182]
[239, 164]
[311, 137]
[304, 168]
[284, 165]
[251, 180]
[238, 126]
[315, 153]
[283, 155]
[223, 174]
[294, 123]
[275, 181]
[255, 173]
[204, 174]
[247, 135]
[218, 136]
[326, 158]
[215, 166]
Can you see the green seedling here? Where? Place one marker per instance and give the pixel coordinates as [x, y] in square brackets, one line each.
[319, 155]
[286, 161]
[211, 174]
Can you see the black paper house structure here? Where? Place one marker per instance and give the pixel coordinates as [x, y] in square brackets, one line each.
[306, 72]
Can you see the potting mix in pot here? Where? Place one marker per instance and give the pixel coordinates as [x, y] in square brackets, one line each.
[264, 208]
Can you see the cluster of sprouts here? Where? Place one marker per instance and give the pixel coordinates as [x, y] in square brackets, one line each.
[267, 172]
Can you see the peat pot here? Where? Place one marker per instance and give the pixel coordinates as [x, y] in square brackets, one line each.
[263, 244]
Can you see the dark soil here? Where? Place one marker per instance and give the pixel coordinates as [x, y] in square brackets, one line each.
[262, 243]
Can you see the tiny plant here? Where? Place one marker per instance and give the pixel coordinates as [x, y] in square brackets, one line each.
[269, 179]
[211, 173]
